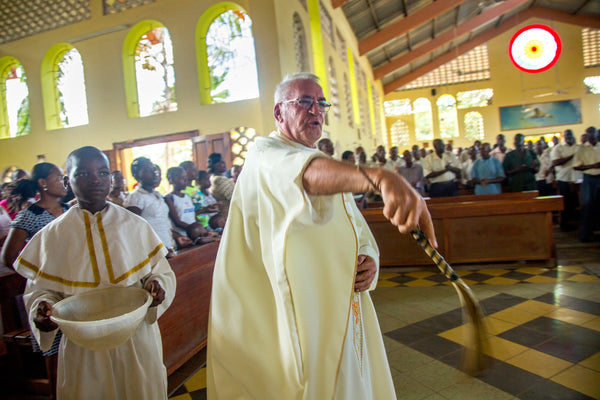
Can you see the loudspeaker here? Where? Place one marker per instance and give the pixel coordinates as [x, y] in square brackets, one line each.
[433, 92]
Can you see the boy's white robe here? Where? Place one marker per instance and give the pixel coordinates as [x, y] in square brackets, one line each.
[285, 322]
[79, 252]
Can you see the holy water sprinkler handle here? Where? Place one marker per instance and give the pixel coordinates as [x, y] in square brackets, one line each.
[435, 256]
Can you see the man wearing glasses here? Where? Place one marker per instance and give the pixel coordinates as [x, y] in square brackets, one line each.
[291, 316]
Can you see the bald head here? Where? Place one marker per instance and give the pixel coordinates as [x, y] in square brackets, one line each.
[86, 152]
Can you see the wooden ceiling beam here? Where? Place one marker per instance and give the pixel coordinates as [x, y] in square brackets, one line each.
[447, 37]
[517, 19]
[404, 25]
[337, 3]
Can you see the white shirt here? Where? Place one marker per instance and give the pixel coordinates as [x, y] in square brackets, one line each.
[499, 154]
[155, 211]
[565, 172]
[434, 163]
[587, 155]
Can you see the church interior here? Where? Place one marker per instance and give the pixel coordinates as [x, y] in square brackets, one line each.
[397, 73]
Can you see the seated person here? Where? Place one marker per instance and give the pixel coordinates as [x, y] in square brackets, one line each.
[205, 204]
[107, 246]
[487, 173]
[150, 205]
[236, 170]
[220, 187]
[191, 172]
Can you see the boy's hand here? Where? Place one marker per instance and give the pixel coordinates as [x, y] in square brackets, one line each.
[42, 318]
[183, 241]
[156, 291]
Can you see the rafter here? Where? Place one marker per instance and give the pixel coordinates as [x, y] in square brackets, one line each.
[337, 3]
[582, 6]
[404, 25]
[447, 37]
[519, 18]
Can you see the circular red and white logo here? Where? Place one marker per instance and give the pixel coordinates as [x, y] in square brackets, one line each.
[534, 48]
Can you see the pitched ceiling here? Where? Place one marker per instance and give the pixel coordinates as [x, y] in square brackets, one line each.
[404, 39]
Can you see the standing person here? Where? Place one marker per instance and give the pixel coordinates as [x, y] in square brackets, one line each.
[562, 162]
[520, 166]
[416, 154]
[487, 173]
[500, 150]
[545, 176]
[394, 161]
[587, 160]
[412, 172]
[291, 317]
[118, 188]
[107, 246]
[441, 169]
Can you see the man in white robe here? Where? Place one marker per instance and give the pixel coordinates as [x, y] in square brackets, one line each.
[291, 317]
[96, 245]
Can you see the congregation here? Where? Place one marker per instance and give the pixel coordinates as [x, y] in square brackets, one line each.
[564, 167]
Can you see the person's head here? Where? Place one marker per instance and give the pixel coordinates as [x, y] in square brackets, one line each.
[117, 182]
[449, 147]
[485, 151]
[195, 230]
[89, 177]
[407, 156]
[300, 108]
[477, 144]
[190, 169]
[19, 174]
[539, 147]
[348, 156]
[326, 146]
[380, 153]
[592, 135]
[438, 145]
[584, 138]
[394, 152]
[422, 153]
[359, 150]
[217, 221]
[46, 179]
[472, 151]
[177, 178]
[519, 141]
[529, 145]
[362, 157]
[203, 180]
[569, 137]
[143, 172]
[500, 140]
[236, 170]
[216, 164]
[416, 152]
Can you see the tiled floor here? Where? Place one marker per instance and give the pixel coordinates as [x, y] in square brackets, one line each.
[542, 330]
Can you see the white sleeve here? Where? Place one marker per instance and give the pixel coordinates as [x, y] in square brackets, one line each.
[33, 296]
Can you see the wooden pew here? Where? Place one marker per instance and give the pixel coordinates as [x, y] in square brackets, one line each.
[472, 197]
[492, 229]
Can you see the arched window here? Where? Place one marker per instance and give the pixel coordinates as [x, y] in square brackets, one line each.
[423, 119]
[241, 139]
[226, 56]
[348, 99]
[63, 88]
[333, 90]
[300, 49]
[14, 103]
[447, 115]
[474, 126]
[400, 134]
[148, 69]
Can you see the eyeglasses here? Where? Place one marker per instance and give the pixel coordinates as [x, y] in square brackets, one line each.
[307, 103]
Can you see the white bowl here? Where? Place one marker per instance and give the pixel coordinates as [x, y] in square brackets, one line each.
[102, 319]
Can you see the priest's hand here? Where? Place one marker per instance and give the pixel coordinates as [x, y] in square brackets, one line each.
[42, 318]
[365, 273]
[156, 291]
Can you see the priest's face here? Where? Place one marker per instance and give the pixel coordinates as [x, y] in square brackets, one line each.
[301, 125]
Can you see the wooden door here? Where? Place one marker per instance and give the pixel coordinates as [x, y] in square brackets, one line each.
[208, 144]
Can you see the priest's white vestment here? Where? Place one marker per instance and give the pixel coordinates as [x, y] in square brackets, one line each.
[79, 252]
[285, 322]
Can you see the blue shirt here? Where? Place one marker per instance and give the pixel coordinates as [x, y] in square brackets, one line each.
[488, 169]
